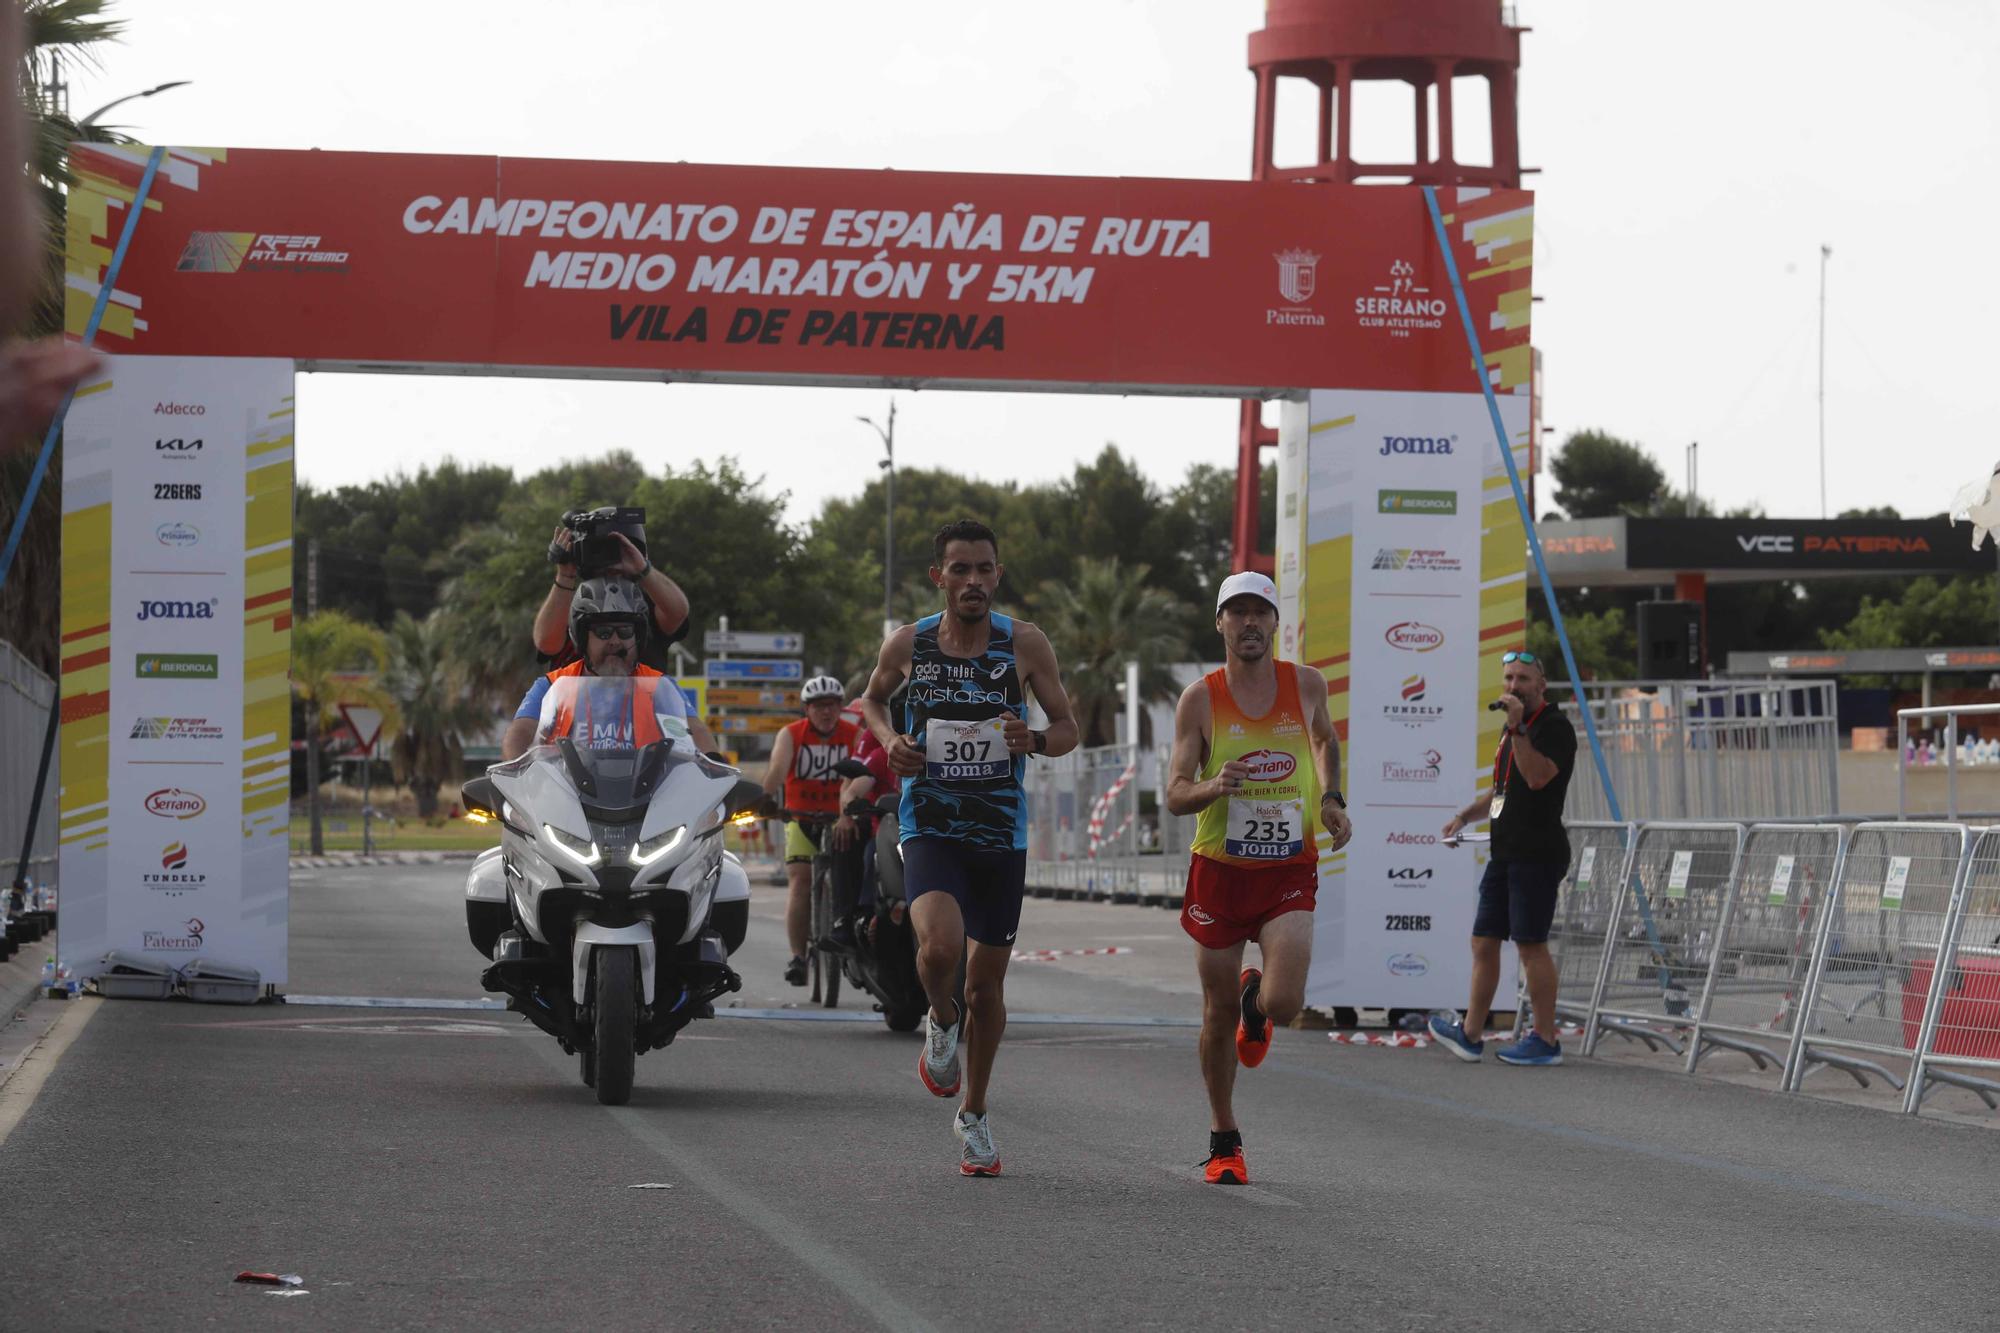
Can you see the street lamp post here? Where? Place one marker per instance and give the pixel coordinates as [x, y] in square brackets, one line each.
[91, 119]
[888, 465]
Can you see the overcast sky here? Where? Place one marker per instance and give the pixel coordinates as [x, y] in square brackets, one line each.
[1694, 158]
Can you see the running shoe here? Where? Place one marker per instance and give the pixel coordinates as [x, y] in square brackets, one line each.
[1452, 1037]
[981, 1158]
[795, 971]
[1225, 1167]
[1252, 1044]
[937, 1063]
[1532, 1050]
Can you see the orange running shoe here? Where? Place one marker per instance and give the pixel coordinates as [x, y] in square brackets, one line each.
[1252, 1046]
[1226, 1167]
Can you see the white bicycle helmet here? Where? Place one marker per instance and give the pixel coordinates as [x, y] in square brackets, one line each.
[821, 687]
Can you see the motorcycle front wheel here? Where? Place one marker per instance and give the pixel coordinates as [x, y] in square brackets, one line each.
[617, 1007]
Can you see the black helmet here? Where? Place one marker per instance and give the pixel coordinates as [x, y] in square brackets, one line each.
[607, 601]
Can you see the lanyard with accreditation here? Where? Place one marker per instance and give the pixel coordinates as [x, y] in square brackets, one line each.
[1503, 764]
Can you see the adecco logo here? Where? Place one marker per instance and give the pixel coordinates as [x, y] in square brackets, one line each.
[1412, 839]
[1269, 765]
[1408, 965]
[173, 803]
[1413, 636]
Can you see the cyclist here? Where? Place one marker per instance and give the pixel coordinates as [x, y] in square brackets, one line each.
[802, 769]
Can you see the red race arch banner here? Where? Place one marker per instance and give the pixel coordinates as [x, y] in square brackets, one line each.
[409, 262]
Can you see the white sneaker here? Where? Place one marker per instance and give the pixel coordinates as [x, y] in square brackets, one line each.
[981, 1157]
[937, 1066]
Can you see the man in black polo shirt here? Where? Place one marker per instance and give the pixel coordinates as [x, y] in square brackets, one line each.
[1517, 898]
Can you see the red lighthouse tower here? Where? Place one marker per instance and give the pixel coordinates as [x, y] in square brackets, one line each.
[1437, 51]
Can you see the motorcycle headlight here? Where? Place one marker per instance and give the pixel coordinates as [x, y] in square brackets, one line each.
[657, 846]
[583, 849]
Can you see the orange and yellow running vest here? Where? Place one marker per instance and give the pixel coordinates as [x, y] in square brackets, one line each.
[1273, 818]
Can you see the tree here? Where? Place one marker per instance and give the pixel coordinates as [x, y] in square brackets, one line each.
[58, 35]
[436, 711]
[1100, 618]
[1924, 614]
[1604, 645]
[1599, 475]
[324, 648]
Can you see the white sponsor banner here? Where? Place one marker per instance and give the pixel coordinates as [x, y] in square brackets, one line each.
[178, 871]
[1401, 477]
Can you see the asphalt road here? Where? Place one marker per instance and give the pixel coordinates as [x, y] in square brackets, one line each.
[447, 1168]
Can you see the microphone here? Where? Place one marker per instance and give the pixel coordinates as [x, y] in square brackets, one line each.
[1496, 707]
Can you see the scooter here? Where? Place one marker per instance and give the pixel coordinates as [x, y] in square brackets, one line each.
[610, 909]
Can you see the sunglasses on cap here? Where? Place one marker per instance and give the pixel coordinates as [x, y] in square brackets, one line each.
[1507, 659]
[609, 632]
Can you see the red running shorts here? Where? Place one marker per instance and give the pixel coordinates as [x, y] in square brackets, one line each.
[1227, 904]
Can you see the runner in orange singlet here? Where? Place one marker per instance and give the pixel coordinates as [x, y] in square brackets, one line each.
[1255, 755]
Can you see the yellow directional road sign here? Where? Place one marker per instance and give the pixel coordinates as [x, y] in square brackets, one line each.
[722, 696]
[755, 724]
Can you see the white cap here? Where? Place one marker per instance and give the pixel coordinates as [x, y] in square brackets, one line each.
[1257, 585]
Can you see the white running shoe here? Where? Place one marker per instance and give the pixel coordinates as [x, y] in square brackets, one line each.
[981, 1157]
[937, 1065]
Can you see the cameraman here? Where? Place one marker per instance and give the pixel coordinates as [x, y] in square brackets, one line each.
[670, 604]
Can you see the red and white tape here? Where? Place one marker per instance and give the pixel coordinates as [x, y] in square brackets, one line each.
[1050, 955]
[1402, 1041]
[1102, 808]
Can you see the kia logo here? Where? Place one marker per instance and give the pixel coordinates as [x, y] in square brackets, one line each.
[1413, 636]
[1411, 872]
[173, 803]
[177, 445]
[1269, 765]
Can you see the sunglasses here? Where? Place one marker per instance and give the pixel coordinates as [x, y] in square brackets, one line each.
[609, 632]
[1509, 658]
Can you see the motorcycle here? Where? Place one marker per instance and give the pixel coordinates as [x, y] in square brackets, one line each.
[883, 959]
[611, 908]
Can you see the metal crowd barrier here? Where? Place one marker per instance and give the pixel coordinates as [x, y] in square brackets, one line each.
[1660, 949]
[1599, 863]
[1960, 1030]
[1766, 943]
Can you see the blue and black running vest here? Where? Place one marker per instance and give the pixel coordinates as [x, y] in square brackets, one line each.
[970, 789]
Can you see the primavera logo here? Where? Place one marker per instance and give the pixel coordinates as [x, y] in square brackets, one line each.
[179, 535]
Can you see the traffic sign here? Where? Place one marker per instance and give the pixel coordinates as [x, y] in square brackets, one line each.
[777, 643]
[695, 690]
[720, 696]
[754, 668]
[752, 724]
[365, 723]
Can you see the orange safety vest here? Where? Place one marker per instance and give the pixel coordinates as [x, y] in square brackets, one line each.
[641, 729]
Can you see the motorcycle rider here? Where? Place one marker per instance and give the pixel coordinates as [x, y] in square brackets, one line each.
[802, 768]
[608, 621]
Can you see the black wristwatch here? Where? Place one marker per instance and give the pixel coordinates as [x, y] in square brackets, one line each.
[1041, 741]
[1335, 797]
[644, 569]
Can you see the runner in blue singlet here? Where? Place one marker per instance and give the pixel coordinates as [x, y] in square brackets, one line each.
[961, 751]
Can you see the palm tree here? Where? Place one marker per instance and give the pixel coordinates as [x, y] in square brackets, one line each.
[325, 647]
[437, 708]
[1099, 619]
[58, 36]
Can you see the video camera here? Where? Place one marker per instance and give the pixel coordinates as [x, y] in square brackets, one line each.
[594, 548]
